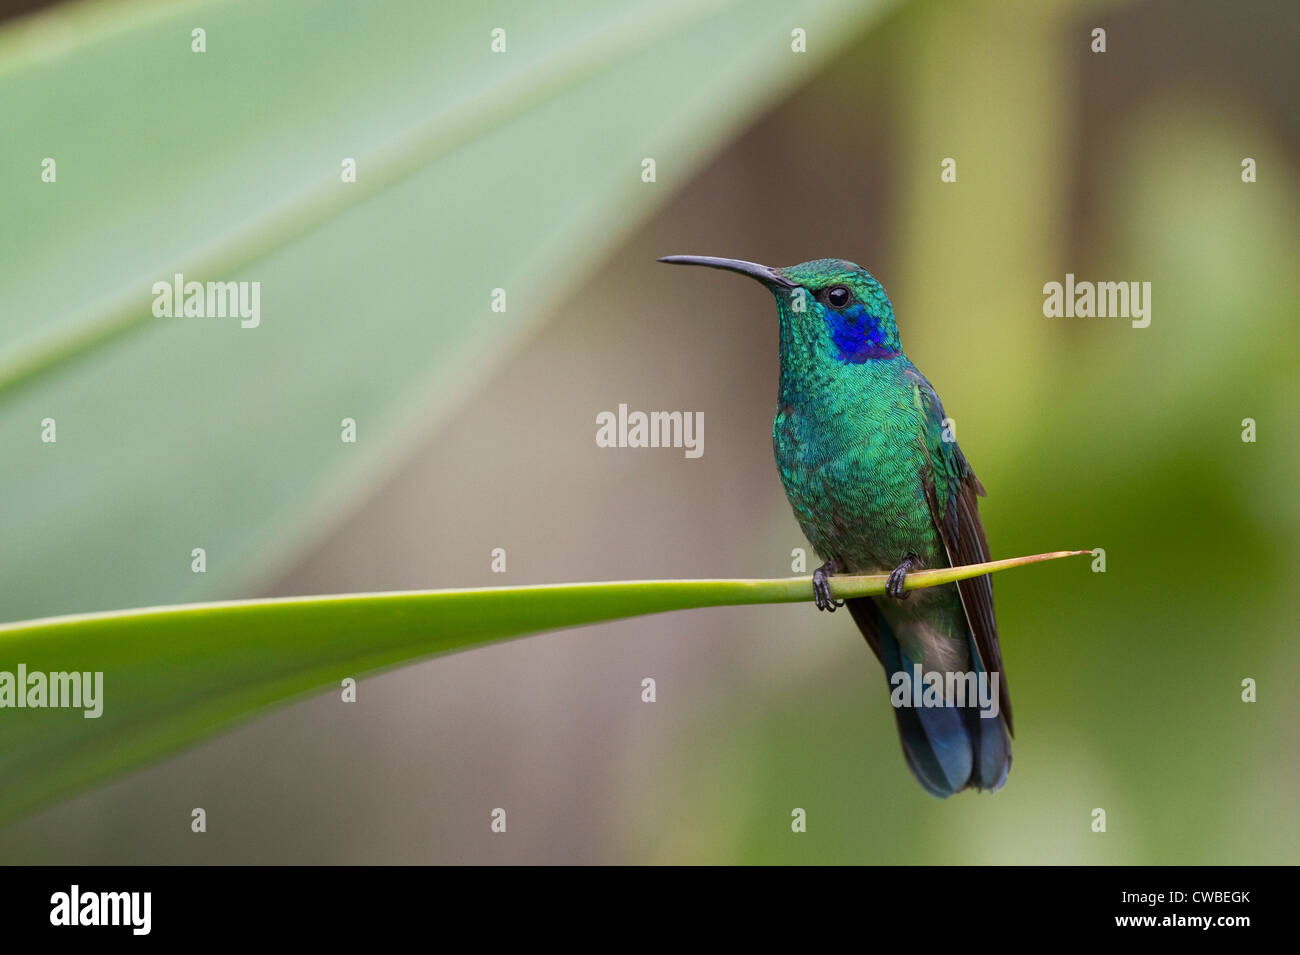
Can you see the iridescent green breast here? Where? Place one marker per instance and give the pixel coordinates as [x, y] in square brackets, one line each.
[851, 451]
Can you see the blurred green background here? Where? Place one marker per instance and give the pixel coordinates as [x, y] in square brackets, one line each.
[477, 429]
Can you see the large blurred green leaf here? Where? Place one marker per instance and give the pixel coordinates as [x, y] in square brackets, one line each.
[476, 171]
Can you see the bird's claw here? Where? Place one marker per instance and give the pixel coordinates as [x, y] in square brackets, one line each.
[897, 576]
[822, 590]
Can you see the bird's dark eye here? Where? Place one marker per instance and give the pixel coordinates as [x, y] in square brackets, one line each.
[838, 296]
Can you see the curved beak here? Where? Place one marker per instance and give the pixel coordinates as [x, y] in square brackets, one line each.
[765, 274]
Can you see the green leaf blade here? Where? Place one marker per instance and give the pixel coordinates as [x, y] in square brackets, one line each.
[174, 675]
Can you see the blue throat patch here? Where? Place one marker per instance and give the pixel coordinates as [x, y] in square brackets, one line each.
[858, 335]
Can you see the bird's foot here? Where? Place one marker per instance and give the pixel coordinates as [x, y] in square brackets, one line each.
[894, 586]
[822, 586]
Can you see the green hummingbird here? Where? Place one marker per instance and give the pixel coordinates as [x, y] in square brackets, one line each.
[878, 485]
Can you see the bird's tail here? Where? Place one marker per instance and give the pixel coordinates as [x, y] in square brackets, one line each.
[948, 748]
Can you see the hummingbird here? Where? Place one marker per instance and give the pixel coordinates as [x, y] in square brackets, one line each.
[879, 485]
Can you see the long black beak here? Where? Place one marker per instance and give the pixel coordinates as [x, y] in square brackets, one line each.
[765, 274]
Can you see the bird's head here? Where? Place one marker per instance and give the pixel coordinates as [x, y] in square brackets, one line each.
[830, 306]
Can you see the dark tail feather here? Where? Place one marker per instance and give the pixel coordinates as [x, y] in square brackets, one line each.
[948, 749]
[993, 750]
